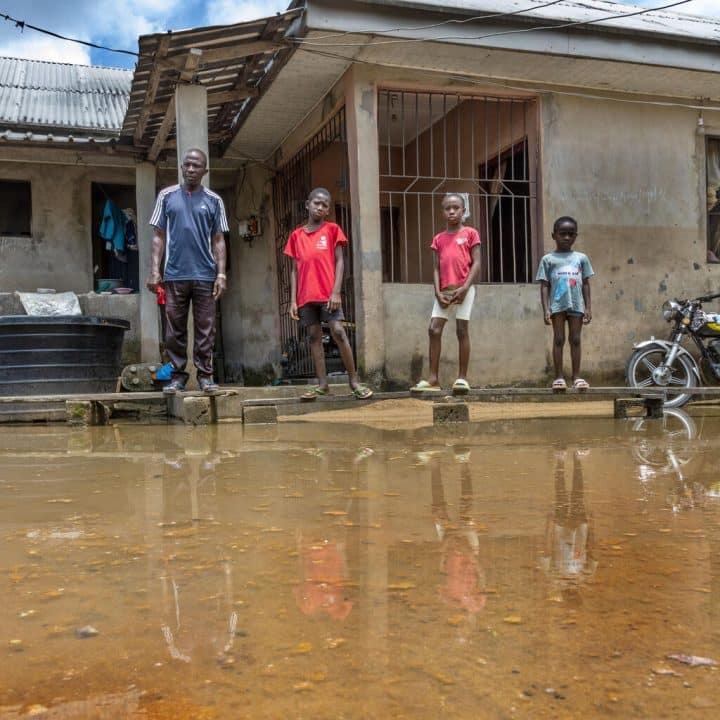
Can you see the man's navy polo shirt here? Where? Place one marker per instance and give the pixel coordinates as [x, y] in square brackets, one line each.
[189, 220]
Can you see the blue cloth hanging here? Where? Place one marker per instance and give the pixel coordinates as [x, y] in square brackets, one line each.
[112, 227]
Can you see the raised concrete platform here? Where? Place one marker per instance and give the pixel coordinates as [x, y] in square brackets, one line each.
[230, 404]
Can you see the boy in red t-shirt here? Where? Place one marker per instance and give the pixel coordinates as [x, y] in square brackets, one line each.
[315, 280]
[456, 264]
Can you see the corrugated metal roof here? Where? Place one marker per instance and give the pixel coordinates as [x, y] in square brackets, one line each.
[36, 94]
[236, 64]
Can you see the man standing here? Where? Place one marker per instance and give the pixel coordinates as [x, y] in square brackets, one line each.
[189, 222]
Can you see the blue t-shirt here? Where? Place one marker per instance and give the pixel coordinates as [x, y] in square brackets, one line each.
[565, 273]
[189, 220]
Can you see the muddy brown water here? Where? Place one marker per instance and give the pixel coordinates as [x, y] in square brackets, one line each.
[511, 568]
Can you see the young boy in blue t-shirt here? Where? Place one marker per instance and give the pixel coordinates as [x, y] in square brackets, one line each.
[564, 277]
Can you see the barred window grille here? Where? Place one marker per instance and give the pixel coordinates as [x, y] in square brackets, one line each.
[434, 143]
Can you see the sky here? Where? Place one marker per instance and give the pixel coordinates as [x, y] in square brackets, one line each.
[113, 24]
[118, 25]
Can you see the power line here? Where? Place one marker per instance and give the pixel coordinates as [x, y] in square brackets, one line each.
[453, 21]
[22, 25]
[561, 26]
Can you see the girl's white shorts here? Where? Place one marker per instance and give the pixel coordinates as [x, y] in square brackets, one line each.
[464, 309]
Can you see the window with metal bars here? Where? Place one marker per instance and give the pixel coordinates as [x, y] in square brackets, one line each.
[486, 147]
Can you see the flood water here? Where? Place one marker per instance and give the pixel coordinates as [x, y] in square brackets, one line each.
[507, 569]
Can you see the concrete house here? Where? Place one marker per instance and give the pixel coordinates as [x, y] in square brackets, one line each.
[601, 111]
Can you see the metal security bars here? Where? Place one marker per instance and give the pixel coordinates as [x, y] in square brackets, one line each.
[321, 162]
[434, 143]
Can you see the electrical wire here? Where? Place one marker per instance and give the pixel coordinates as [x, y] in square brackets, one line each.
[453, 21]
[22, 25]
[363, 44]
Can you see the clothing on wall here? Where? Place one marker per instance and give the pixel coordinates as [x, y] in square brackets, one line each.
[119, 230]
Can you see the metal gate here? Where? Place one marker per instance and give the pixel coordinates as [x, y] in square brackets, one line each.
[321, 162]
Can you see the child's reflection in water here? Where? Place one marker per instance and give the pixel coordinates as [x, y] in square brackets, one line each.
[569, 560]
[324, 569]
[463, 580]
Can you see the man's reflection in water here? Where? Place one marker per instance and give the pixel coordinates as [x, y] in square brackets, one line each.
[197, 589]
[463, 580]
[569, 537]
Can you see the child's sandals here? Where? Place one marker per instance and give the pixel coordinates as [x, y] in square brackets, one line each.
[559, 384]
[314, 394]
[425, 387]
[580, 384]
[362, 392]
[461, 387]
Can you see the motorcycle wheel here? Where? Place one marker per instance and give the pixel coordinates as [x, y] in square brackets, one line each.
[642, 363]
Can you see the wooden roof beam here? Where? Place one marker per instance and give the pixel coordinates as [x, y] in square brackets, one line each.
[192, 62]
[223, 54]
[216, 98]
[163, 131]
[152, 87]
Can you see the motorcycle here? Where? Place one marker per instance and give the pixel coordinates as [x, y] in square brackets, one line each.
[667, 364]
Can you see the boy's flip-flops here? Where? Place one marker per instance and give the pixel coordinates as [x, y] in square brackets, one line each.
[425, 386]
[559, 384]
[361, 392]
[313, 394]
[580, 384]
[461, 387]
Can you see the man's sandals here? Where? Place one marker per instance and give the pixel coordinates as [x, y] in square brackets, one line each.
[360, 392]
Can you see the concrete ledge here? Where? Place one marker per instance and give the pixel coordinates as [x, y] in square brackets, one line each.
[260, 415]
[651, 407]
[197, 410]
[450, 412]
[86, 413]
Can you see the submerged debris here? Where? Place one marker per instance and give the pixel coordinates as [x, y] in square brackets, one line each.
[693, 660]
[87, 631]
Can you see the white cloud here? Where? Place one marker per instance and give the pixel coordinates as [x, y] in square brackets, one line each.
[100, 21]
[46, 48]
[226, 12]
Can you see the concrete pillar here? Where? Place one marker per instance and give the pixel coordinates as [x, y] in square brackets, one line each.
[362, 134]
[145, 182]
[191, 129]
[191, 122]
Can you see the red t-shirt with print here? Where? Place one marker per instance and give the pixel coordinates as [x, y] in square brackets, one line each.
[455, 256]
[314, 253]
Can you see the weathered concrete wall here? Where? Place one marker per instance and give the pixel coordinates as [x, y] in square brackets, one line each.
[634, 177]
[506, 331]
[250, 309]
[59, 253]
[125, 307]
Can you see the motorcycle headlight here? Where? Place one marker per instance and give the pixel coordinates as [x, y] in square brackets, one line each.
[670, 310]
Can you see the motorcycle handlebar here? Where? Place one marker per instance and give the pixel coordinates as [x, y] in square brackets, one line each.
[707, 298]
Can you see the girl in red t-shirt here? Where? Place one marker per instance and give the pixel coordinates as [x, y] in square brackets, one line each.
[456, 264]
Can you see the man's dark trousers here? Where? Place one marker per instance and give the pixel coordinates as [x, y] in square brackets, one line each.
[178, 296]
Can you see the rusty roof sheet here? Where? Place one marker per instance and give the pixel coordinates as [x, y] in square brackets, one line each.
[36, 94]
[236, 64]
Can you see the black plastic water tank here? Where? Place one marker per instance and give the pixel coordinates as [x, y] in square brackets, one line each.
[62, 355]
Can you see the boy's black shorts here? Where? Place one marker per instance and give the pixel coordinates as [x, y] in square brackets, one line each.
[313, 313]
